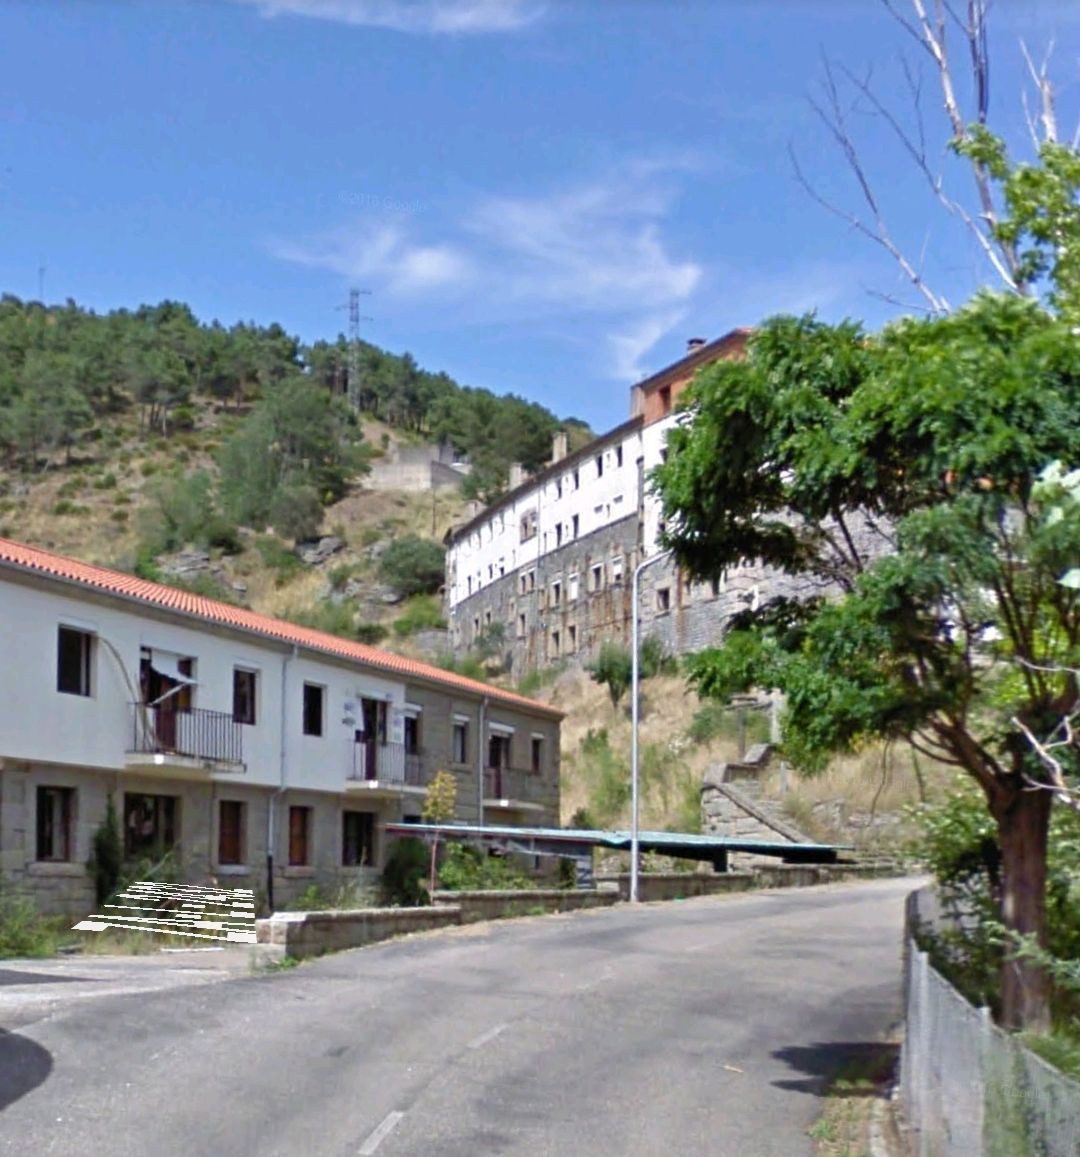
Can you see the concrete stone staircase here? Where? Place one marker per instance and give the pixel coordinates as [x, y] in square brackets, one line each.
[731, 803]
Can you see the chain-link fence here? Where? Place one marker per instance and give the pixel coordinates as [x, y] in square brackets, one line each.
[969, 1089]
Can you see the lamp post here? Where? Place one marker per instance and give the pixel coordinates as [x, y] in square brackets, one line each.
[635, 680]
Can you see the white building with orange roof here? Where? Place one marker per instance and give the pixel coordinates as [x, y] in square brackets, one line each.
[251, 750]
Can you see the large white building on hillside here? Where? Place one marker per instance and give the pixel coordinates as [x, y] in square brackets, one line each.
[260, 753]
[549, 565]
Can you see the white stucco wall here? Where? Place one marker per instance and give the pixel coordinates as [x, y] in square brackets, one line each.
[41, 724]
[494, 547]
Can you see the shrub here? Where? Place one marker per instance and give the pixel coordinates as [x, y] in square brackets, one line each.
[296, 512]
[467, 869]
[370, 633]
[106, 854]
[403, 876]
[413, 565]
[468, 665]
[654, 659]
[277, 556]
[612, 669]
[420, 613]
[23, 932]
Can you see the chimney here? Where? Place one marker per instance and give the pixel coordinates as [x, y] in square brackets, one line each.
[517, 475]
[694, 344]
[560, 446]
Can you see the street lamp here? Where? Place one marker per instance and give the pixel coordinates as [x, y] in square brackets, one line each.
[635, 680]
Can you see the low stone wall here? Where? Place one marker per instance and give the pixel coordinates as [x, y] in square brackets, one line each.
[679, 885]
[477, 906]
[302, 934]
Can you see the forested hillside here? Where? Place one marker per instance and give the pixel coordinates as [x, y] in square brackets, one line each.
[63, 369]
[131, 437]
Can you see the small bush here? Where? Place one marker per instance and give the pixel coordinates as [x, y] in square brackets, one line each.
[277, 556]
[23, 932]
[119, 516]
[370, 633]
[404, 874]
[468, 665]
[106, 854]
[420, 613]
[467, 869]
[296, 512]
[106, 482]
[654, 659]
[613, 669]
[413, 565]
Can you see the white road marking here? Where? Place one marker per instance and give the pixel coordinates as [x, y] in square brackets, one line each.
[486, 1037]
[389, 1124]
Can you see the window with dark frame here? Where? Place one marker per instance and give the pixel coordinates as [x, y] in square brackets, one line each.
[150, 827]
[230, 831]
[599, 465]
[499, 751]
[299, 837]
[55, 824]
[537, 755]
[245, 684]
[663, 599]
[73, 656]
[460, 743]
[411, 734]
[313, 708]
[357, 839]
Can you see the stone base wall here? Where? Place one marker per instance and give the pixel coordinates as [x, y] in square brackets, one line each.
[680, 885]
[301, 934]
[476, 906]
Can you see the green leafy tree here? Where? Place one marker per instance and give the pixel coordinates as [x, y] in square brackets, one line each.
[900, 476]
[613, 669]
[413, 565]
[440, 805]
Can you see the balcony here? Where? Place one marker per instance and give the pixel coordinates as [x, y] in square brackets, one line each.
[194, 743]
[513, 789]
[385, 769]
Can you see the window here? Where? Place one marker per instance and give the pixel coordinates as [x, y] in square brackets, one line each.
[664, 395]
[716, 586]
[571, 638]
[357, 839]
[243, 696]
[572, 584]
[663, 598]
[55, 820]
[530, 578]
[522, 588]
[596, 577]
[618, 455]
[555, 644]
[460, 742]
[230, 831]
[313, 708]
[528, 525]
[499, 751]
[599, 465]
[576, 524]
[663, 454]
[487, 618]
[558, 534]
[577, 480]
[556, 593]
[617, 569]
[411, 734]
[299, 837]
[521, 627]
[149, 825]
[558, 488]
[537, 760]
[73, 652]
[476, 627]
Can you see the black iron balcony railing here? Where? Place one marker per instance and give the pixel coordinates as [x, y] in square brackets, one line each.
[384, 762]
[164, 729]
[510, 783]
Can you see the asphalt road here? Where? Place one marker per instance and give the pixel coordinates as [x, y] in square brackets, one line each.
[699, 1027]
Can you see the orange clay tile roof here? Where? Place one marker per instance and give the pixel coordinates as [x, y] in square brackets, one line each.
[31, 558]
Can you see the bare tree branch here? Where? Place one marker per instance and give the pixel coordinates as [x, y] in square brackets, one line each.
[1040, 78]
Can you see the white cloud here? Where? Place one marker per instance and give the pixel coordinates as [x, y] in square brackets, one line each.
[423, 16]
[593, 255]
[383, 254]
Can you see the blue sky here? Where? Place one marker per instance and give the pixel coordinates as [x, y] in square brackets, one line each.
[543, 196]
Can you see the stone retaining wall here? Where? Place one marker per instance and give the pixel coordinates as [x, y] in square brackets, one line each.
[476, 906]
[301, 934]
[679, 885]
